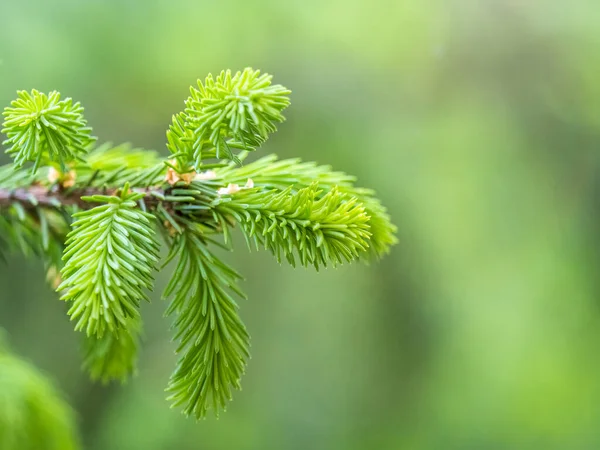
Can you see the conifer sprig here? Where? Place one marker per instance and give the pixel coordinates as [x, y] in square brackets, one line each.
[113, 197]
[43, 128]
[35, 232]
[213, 341]
[305, 225]
[271, 172]
[110, 257]
[226, 113]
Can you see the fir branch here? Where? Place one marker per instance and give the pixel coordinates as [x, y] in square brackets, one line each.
[108, 166]
[300, 211]
[12, 179]
[316, 229]
[230, 112]
[269, 172]
[42, 128]
[109, 157]
[180, 142]
[34, 232]
[212, 338]
[110, 257]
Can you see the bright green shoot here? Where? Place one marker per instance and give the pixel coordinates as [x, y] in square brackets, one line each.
[98, 215]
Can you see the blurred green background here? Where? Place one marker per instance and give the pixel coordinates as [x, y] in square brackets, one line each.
[478, 123]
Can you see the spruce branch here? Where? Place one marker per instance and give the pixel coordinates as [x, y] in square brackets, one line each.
[33, 231]
[270, 172]
[230, 112]
[110, 258]
[317, 229]
[213, 341]
[113, 198]
[43, 128]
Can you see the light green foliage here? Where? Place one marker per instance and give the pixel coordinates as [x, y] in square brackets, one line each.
[33, 416]
[42, 128]
[114, 197]
[35, 232]
[317, 228]
[227, 112]
[114, 355]
[180, 142]
[109, 158]
[294, 174]
[109, 165]
[110, 258]
[213, 340]
[12, 179]
[28, 227]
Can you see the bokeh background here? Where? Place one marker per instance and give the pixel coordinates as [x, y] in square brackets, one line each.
[478, 123]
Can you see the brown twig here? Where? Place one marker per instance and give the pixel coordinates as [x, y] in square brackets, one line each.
[37, 195]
